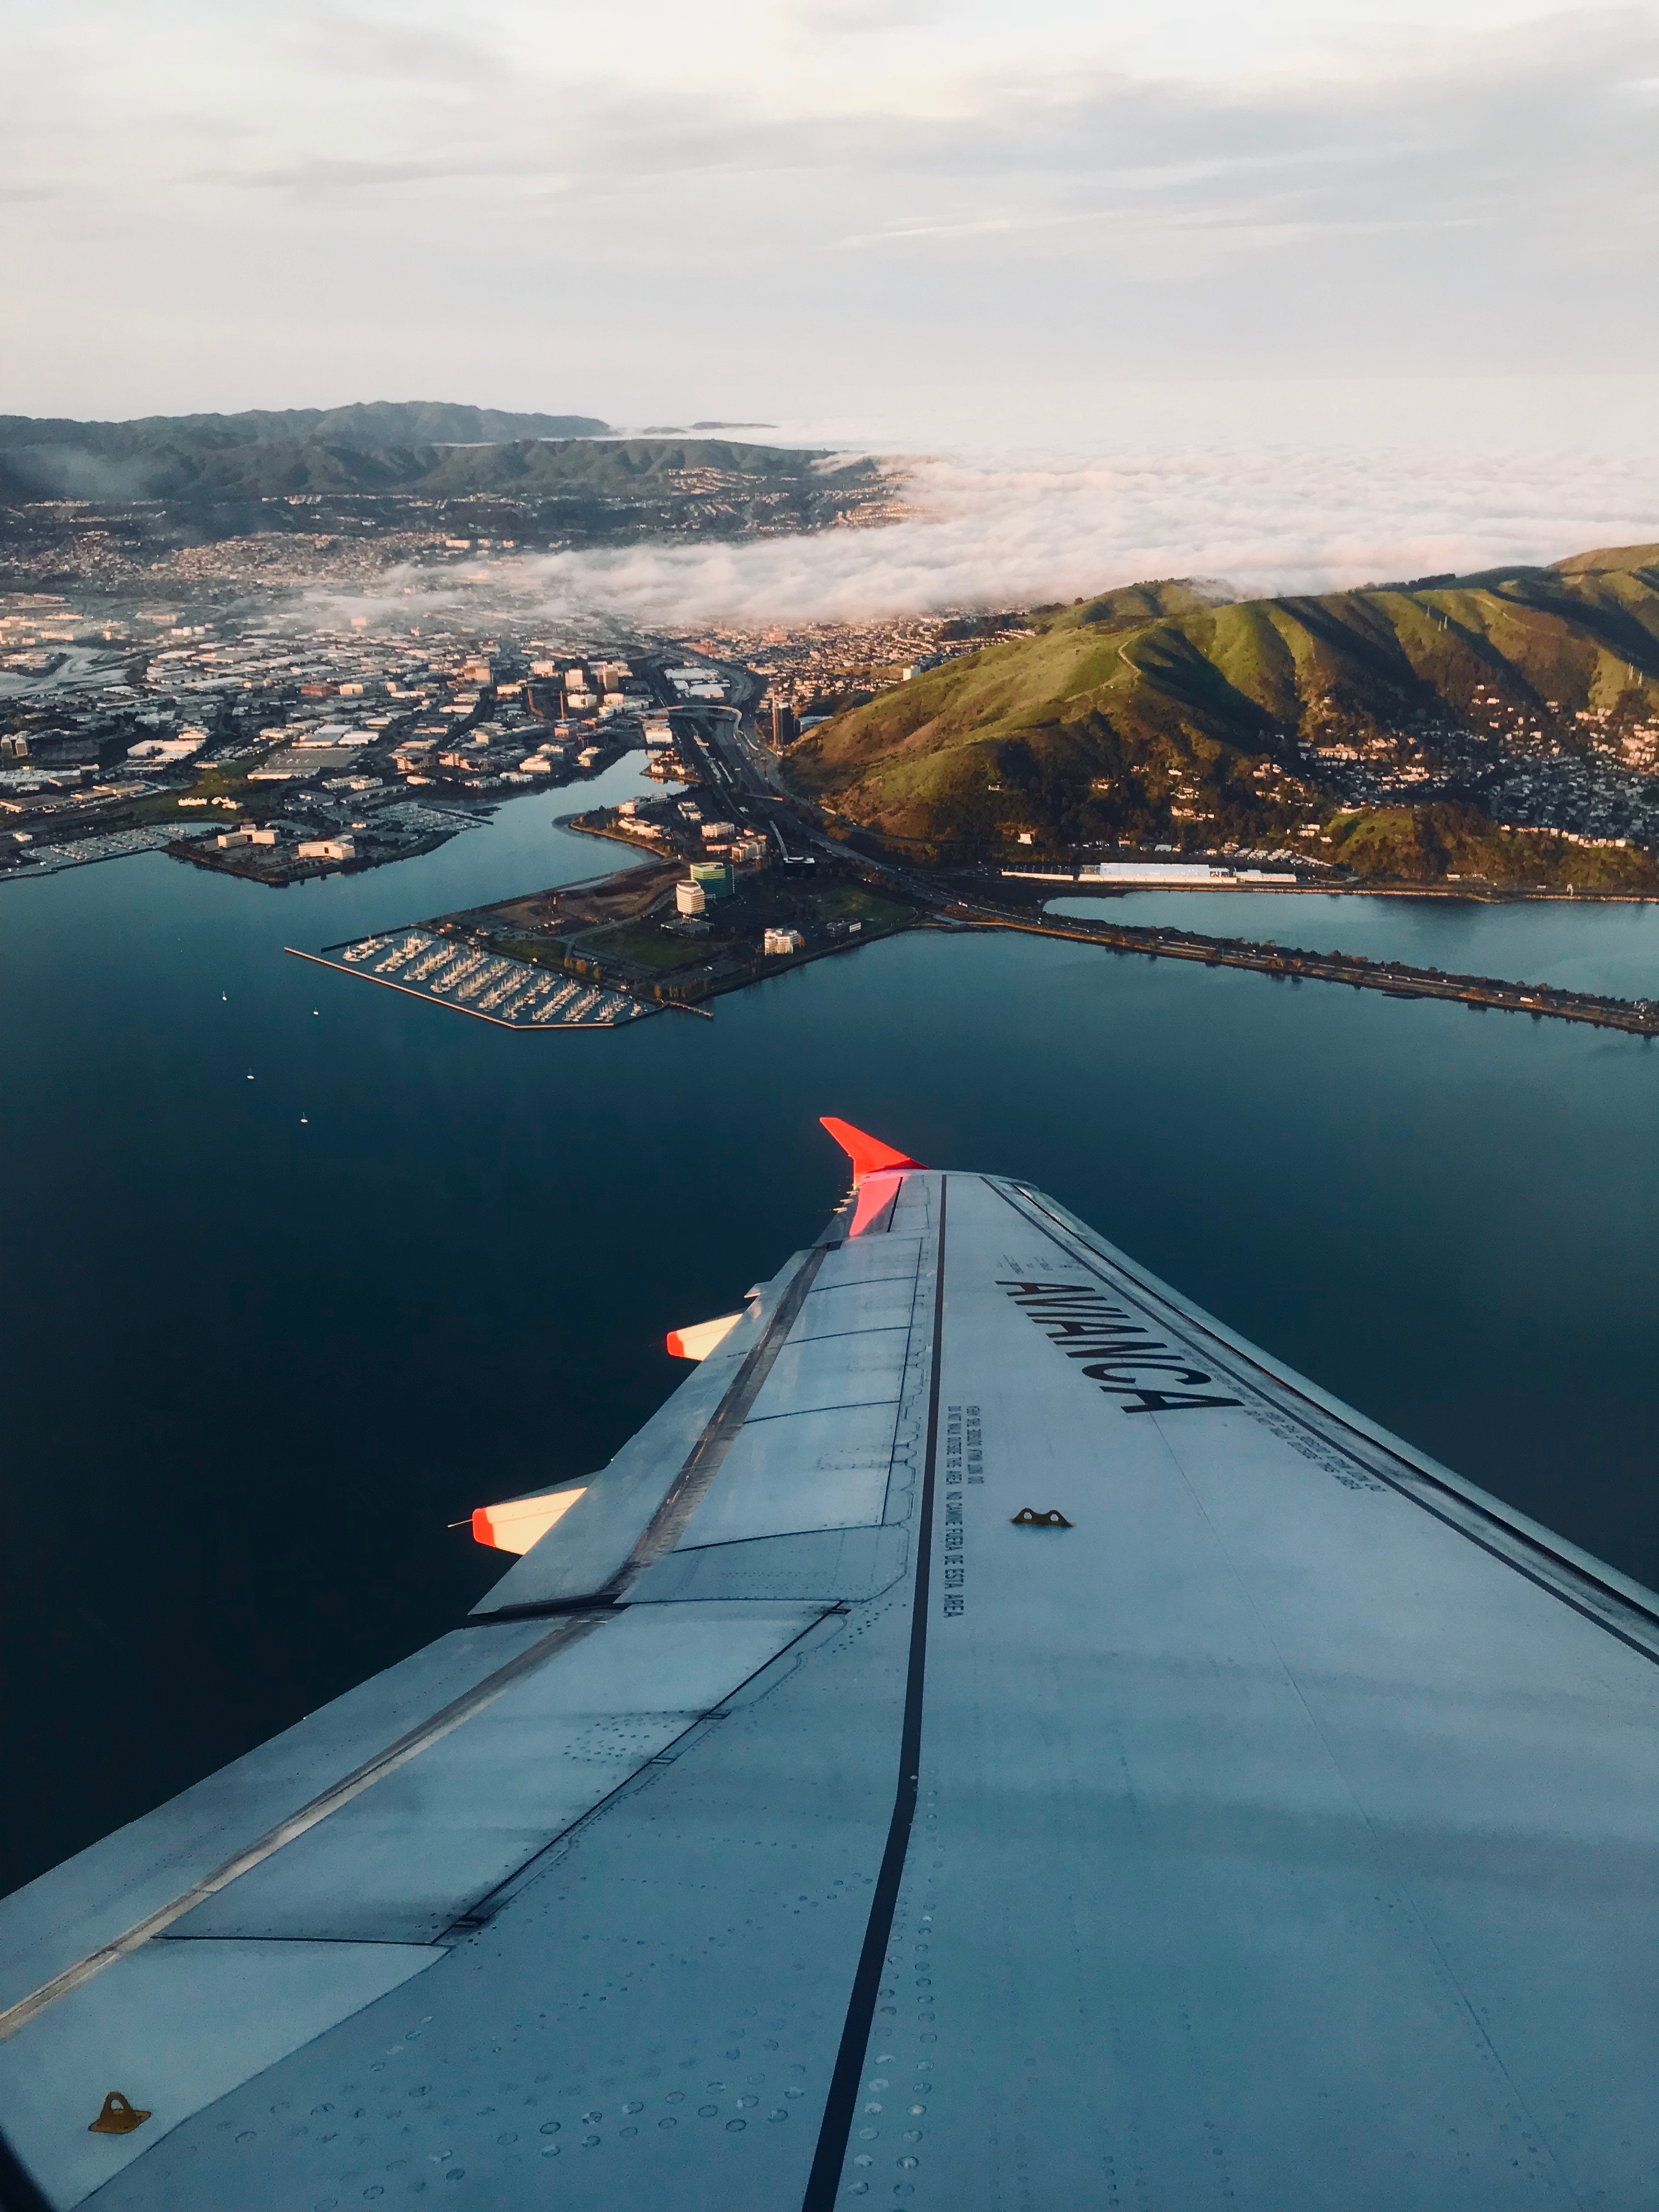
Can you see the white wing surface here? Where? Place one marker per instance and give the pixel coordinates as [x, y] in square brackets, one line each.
[993, 1739]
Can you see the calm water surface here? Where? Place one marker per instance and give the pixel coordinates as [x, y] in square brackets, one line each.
[1611, 949]
[255, 1363]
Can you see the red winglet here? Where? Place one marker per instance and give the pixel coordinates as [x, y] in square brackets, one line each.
[868, 1154]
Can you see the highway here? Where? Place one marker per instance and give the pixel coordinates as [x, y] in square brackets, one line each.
[743, 770]
[748, 774]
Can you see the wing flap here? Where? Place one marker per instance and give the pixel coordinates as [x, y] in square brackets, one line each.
[409, 1857]
[857, 1367]
[873, 1260]
[95, 1897]
[817, 1448]
[824, 1469]
[831, 1566]
[845, 1308]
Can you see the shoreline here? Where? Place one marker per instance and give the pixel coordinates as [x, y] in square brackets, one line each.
[1395, 979]
[1493, 895]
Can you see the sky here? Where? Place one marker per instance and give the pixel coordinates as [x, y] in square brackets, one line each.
[864, 210]
[1279, 292]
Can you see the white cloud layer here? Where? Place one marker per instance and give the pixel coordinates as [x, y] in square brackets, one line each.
[1022, 530]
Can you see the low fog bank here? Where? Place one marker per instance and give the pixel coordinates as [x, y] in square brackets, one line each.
[1022, 531]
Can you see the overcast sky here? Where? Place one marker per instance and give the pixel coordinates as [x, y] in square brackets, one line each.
[827, 209]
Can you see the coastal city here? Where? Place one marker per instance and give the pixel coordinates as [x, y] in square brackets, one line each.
[297, 513]
[275, 749]
[270, 740]
[273, 744]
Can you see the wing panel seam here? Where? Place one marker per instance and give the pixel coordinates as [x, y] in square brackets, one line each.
[830, 2154]
[703, 1462]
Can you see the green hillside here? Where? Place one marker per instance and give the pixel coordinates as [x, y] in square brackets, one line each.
[427, 448]
[616, 466]
[50, 455]
[1156, 714]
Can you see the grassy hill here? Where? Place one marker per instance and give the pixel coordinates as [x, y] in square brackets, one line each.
[371, 445]
[1156, 714]
[434, 451]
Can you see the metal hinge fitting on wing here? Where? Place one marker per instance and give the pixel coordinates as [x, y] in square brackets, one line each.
[119, 2116]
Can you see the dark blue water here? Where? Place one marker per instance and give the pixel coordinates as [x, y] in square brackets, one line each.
[1579, 947]
[254, 1364]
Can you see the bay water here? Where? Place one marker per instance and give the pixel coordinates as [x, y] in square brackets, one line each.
[298, 1271]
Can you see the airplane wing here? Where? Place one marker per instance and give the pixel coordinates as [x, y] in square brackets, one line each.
[993, 1739]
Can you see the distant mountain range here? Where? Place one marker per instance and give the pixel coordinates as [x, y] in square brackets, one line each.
[679, 429]
[1389, 728]
[424, 448]
[383, 445]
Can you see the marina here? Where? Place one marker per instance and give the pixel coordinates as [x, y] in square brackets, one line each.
[111, 844]
[447, 971]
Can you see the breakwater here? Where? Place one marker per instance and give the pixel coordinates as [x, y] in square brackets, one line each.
[1398, 979]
